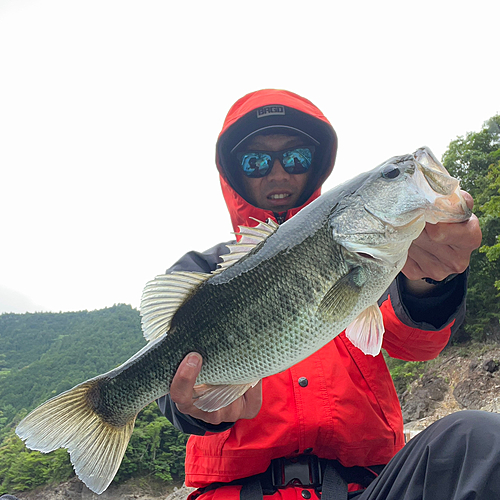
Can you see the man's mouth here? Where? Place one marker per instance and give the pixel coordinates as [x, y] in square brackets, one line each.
[279, 196]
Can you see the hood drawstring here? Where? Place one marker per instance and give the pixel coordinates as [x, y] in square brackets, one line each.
[280, 218]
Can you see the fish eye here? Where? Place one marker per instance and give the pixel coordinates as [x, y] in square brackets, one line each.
[391, 172]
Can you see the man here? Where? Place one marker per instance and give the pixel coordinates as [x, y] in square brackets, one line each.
[333, 419]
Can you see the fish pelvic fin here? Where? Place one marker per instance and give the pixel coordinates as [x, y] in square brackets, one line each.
[214, 397]
[163, 296]
[68, 421]
[367, 330]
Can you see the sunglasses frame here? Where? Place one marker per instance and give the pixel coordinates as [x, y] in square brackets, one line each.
[275, 155]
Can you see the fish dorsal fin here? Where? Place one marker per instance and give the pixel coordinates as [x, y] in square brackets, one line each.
[162, 297]
[367, 330]
[250, 238]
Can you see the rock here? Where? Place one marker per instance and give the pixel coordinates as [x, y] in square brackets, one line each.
[473, 365]
[413, 428]
[473, 392]
[74, 489]
[491, 366]
[493, 405]
[180, 493]
[422, 397]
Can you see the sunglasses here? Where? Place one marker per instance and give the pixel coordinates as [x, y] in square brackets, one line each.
[260, 163]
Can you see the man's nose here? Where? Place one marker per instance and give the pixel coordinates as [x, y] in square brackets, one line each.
[277, 172]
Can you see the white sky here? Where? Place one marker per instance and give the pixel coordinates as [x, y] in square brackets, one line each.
[110, 109]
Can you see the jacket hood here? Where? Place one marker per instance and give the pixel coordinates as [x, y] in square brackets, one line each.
[266, 110]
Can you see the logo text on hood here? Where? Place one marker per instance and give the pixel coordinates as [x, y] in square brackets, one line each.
[270, 111]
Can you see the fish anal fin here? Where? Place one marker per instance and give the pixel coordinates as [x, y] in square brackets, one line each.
[214, 397]
[339, 301]
[96, 448]
[367, 330]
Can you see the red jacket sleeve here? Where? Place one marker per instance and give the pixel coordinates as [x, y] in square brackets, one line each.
[418, 329]
[411, 343]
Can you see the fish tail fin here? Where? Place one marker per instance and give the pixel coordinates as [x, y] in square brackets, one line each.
[68, 421]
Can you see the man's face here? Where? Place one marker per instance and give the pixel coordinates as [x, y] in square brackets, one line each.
[278, 191]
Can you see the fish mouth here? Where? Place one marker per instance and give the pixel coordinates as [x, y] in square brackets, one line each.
[452, 208]
[447, 203]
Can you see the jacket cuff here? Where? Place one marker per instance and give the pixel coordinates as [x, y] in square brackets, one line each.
[443, 305]
[186, 423]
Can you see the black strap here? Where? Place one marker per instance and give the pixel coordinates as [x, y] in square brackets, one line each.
[334, 486]
[252, 490]
[328, 476]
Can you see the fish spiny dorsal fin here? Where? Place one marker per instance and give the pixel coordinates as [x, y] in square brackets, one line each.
[162, 297]
[250, 238]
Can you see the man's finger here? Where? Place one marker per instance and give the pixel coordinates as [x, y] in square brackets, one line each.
[253, 401]
[181, 389]
[468, 199]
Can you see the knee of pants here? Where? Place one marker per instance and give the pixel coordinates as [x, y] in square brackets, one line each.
[470, 419]
[469, 428]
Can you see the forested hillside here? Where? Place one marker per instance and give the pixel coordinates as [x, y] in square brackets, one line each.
[43, 354]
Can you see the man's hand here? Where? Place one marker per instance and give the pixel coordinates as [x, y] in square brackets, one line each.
[442, 249]
[181, 393]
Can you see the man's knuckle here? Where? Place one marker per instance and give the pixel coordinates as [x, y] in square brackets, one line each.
[179, 398]
[213, 419]
[459, 266]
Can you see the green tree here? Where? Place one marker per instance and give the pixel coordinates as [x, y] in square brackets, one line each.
[22, 469]
[474, 159]
[490, 215]
[156, 448]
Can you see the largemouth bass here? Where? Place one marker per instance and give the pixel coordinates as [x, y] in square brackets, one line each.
[281, 294]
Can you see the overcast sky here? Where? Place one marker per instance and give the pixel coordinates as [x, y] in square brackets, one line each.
[110, 109]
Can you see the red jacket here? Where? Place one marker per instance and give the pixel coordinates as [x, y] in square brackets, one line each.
[349, 409]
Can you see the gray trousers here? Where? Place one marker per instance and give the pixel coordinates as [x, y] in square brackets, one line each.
[456, 458]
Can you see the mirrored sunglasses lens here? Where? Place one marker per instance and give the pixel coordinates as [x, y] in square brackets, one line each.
[255, 164]
[297, 161]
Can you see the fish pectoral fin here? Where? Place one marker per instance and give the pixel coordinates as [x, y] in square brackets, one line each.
[68, 421]
[339, 301]
[214, 397]
[367, 330]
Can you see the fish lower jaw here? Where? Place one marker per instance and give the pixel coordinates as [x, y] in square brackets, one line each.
[449, 209]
